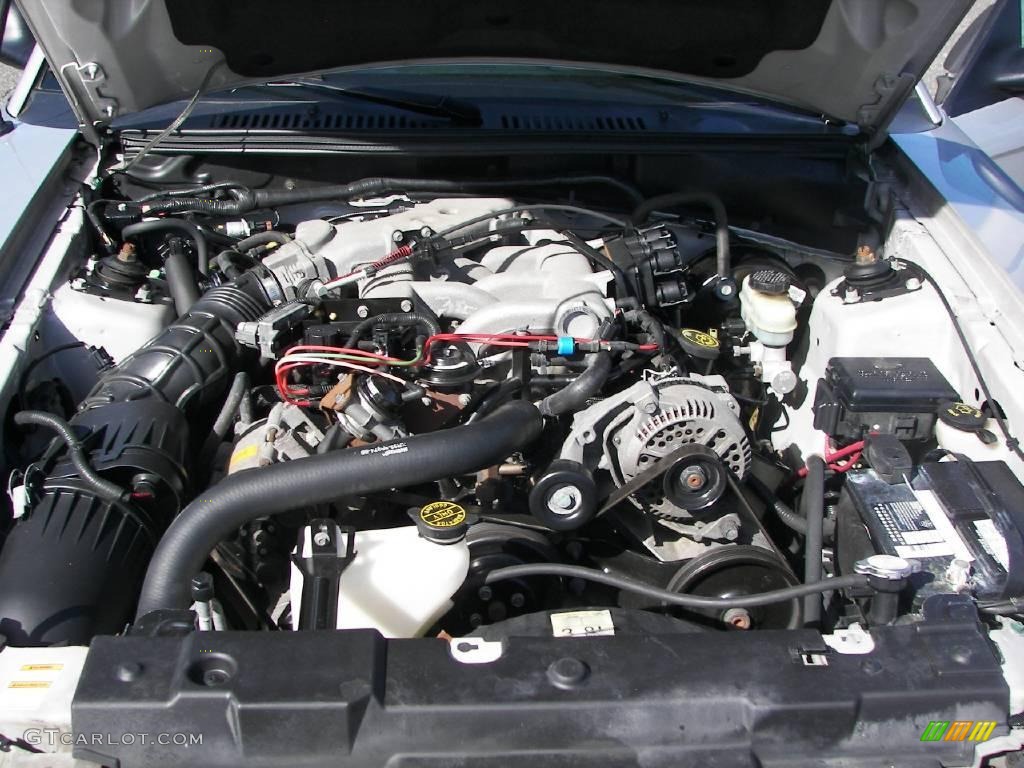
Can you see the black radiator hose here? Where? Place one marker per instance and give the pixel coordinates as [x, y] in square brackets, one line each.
[244, 496]
[71, 566]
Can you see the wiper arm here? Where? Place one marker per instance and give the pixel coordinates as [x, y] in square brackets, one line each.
[434, 105]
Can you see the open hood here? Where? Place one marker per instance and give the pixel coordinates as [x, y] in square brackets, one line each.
[852, 60]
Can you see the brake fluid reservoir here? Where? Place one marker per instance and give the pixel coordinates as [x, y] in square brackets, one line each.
[766, 307]
[769, 312]
[397, 582]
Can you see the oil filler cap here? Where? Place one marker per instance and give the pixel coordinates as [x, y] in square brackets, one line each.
[699, 344]
[442, 522]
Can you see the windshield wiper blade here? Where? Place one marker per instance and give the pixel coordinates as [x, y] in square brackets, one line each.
[433, 105]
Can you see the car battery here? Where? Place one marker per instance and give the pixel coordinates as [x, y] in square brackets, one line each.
[962, 521]
[889, 395]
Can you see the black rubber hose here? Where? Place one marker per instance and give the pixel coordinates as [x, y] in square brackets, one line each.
[812, 502]
[246, 200]
[393, 320]
[490, 399]
[105, 489]
[574, 396]
[191, 191]
[674, 598]
[185, 227]
[789, 517]
[714, 202]
[181, 281]
[320, 479]
[222, 425]
[262, 238]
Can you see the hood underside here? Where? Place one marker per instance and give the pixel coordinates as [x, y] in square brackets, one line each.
[851, 60]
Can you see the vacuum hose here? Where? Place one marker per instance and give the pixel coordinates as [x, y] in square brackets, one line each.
[244, 496]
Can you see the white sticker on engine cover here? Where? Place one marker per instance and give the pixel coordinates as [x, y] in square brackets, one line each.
[582, 624]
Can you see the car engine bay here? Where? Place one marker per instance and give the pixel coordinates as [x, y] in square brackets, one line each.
[440, 409]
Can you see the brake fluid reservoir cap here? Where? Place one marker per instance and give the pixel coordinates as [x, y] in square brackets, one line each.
[442, 522]
[699, 344]
[771, 281]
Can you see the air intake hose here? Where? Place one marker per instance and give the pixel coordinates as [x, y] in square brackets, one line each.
[244, 496]
[71, 566]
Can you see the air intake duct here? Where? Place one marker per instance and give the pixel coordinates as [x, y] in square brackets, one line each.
[71, 567]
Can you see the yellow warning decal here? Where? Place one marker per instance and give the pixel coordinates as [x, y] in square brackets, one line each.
[42, 667]
[700, 338]
[29, 684]
[443, 514]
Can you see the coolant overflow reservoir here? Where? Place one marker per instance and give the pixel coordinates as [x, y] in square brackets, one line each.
[767, 308]
[397, 582]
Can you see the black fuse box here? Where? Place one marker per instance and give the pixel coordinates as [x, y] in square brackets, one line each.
[889, 395]
[965, 511]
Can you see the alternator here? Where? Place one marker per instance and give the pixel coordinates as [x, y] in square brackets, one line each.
[633, 430]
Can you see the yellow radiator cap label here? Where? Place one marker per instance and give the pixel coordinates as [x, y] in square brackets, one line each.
[443, 514]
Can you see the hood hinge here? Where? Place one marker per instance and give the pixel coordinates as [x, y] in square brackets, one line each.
[875, 118]
[83, 82]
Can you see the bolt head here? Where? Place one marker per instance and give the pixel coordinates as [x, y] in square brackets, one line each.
[362, 311]
[912, 284]
[564, 499]
[406, 305]
[650, 407]
[693, 478]
[397, 237]
[738, 618]
[321, 538]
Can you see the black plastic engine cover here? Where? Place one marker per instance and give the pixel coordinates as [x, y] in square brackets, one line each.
[703, 699]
